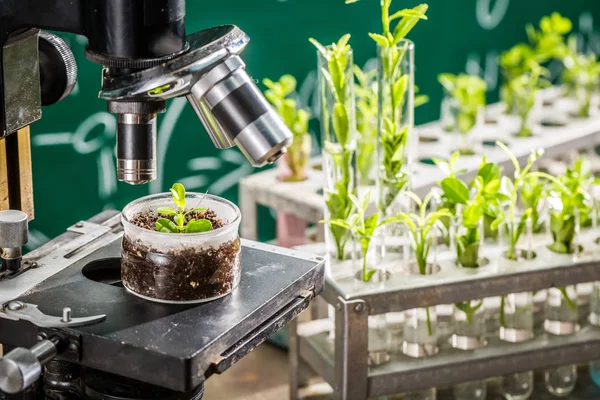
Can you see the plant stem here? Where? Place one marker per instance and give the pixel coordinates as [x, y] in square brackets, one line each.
[502, 316]
[429, 327]
[570, 303]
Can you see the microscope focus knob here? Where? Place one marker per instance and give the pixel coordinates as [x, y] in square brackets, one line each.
[13, 229]
[58, 70]
[20, 368]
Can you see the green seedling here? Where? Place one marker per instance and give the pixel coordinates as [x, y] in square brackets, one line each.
[492, 191]
[571, 205]
[524, 90]
[448, 202]
[395, 85]
[339, 144]
[420, 226]
[532, 194]
[511, 188]
[549, 41]
[468, 239]
[469, 308]
[468, 93]
[583, 72]
[523, 76]
[177, 224]
[363, 228]
[279, 95]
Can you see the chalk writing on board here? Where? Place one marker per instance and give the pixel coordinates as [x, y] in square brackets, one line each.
[488, 71]
[101, 145]
[165, 132]
[35, 239]
[489, 16]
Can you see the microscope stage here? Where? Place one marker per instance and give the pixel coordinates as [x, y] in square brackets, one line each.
[173, 346]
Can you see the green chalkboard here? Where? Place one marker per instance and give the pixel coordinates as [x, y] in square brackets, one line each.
[73, 145]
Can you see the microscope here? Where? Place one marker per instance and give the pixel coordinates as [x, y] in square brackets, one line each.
[68, 327]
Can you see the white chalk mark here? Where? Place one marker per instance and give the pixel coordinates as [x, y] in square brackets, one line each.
[36, 239]
[230, 179]
[234, 157]
[51, 139]
[203, 163]
[82, 144]
[586, 22]
[490, 72]
[489, 17]
[107, 184]
[167, 127]
[194, 182]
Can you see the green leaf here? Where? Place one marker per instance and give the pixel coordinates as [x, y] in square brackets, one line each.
[400, 90]
[178, 193]
[341, 125]
[322, 49]
[166, 226]
[179, 219]
[343, 41]
[455, 190]
[201, 225]
[371, 224]
[408, 12]
[379, 39]
[168, 211]
[443, 165]
[369, 274]
[197, 209]
[406, 24]
[489, 172]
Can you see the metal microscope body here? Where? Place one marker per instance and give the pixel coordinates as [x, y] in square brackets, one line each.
[147, 58]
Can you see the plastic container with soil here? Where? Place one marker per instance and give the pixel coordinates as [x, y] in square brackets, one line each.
[181, 268]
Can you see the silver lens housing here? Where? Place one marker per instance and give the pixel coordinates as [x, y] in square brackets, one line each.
[234, 111]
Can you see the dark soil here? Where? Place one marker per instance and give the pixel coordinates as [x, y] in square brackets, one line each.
[181, 275]
[185, 274]
[147, 220]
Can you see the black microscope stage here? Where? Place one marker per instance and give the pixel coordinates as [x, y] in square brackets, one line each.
[172, 346]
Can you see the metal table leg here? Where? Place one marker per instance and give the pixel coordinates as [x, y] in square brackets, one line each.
[293, 355]
[351, 362]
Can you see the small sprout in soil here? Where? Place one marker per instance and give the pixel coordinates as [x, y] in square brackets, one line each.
[176, 222]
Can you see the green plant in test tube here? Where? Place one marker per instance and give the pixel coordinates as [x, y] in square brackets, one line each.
[420, 226]
[584, 75]
[468, 95]
[339, 141]
[512, 188]
[570, 205]
[467, 240]
[395, 88]
[364, 228]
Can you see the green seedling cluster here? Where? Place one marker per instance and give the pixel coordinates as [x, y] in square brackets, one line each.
[280, 95]
[467, 229]
[339, 144]
[468, 95]
[522, 66]
[177, 222]
[363, 228]
[570, 207]
[583, 73]
[394, 84]
[422, 229]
